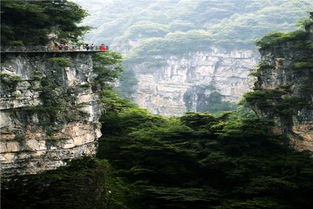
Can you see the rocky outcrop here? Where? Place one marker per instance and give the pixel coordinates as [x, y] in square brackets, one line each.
[176, 84]
[49, 113]
[283, 90]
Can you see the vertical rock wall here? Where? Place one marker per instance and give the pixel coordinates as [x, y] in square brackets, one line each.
[185, 83]
[283, 90]
[49, 113]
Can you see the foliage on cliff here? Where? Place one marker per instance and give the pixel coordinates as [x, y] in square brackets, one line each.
[30, 22]
[289, 57]
[107, 68]
[279, 37]
[301, 35]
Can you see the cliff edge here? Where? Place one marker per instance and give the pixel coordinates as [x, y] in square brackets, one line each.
[49, 113]
[283, 90]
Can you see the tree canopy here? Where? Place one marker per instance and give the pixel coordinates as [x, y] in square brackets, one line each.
[201, 161]
[30, 22]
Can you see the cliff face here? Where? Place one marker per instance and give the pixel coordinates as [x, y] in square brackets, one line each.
[49, 113]
[192, 82]
[283, 90]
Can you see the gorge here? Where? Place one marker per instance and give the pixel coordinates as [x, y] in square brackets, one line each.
[173, 59]
[71, 138]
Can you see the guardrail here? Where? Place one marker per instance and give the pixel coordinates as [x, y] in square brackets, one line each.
[64, 48]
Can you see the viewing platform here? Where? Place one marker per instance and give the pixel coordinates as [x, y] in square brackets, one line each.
[46, 49]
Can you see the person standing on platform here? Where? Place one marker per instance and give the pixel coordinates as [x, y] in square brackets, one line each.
[102, 47]
[87, 47]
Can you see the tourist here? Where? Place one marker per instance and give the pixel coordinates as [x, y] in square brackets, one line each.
[87, 47]
[102, 47]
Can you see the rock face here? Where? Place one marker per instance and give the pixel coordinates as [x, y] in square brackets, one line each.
[49, 113]
[186, 83]
[283, 90]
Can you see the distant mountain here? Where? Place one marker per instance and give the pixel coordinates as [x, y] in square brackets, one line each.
[188, 55]
[148, 27]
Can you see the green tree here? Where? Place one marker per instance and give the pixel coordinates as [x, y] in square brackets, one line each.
[30, 22]
[107, 68]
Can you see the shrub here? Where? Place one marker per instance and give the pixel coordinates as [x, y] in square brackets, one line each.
[255, 73]
[303, 65]
[262, 98]
[60, 61]
[289, 105]
[10, 81]
[107, 68]
[264, 65]
[16, 43]
[19, 138]
[275, 38]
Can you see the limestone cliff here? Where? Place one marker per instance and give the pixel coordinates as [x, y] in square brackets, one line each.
[173, 85]
[283, 90]
[49, 113]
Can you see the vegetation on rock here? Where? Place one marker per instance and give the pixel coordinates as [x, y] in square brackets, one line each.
[279, 37]
[60, 61]
[291, 58]
[9, 81]
[30, 22]
[199, 160]
[107, 68]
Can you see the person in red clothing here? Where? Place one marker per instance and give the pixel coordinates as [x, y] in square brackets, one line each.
[102, 47]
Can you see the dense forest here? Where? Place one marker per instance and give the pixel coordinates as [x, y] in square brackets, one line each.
[145, 161]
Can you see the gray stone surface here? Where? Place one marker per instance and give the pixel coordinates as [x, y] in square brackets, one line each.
[33, 138]
[162, 89]
[283, 76]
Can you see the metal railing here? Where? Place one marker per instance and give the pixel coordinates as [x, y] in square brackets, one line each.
[60, 48]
